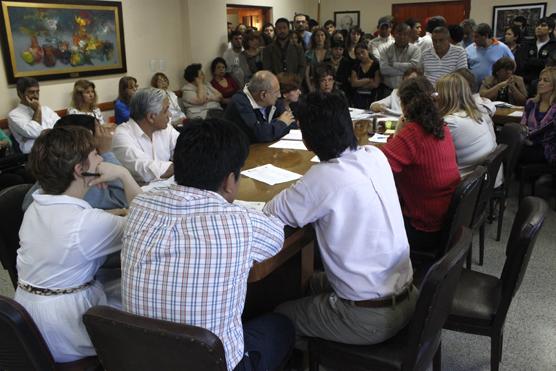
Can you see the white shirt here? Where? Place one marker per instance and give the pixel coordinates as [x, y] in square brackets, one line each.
[353, 205]
[145, 159]
[392, 103]
[176, 114]
[380, 44]
[63, 243]
[96, 113]
[24, 129]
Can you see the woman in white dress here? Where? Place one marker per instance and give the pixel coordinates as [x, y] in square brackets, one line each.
[84, 100]
[64, 241]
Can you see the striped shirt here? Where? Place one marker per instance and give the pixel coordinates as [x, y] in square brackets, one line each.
[436, 67]
[186, 258]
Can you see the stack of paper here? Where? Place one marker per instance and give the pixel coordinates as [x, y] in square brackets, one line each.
[271, 174]
[158, 184]
[379, 138]
[256, 205]
[294, 134]
[289, 144]
[360, 114]
[516, 114]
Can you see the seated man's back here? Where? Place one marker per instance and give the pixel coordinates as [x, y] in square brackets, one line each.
[188, 250]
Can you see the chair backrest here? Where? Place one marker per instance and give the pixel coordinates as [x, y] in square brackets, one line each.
[124, 341]
[492, 164]
[434, 303]
[462, 206]
[512, 136]
[525, 229]
[11, 215]
[22, 346]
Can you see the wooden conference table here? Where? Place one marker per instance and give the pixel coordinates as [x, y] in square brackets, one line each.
[502, 115]
[283, 277]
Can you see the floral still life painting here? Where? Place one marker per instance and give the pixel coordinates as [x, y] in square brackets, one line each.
[62, 40]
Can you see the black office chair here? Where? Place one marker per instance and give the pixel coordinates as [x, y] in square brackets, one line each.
[22, 346]
[460, 213]
[415, 346]
[11, 215]
[492, 163]
[124, 341]
[512, 136]
[481, 301]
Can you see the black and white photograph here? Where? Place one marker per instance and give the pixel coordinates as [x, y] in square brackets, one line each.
[503, 15]
[345, 20]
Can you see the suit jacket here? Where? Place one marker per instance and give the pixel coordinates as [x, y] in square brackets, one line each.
[251, 120]
[293, 61]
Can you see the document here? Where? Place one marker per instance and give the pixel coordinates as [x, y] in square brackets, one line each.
[516, 114]
[315, 159]
[294, 134]
[379, 138]
[271, 174]
[256, 205]
[289, 144]
[360, 114]
[158, 184]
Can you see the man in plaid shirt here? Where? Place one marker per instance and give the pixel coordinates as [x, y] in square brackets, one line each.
[188, 250]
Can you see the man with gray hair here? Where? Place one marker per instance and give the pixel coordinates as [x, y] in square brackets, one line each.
[469, 26]
[443, 58]
[254, 110]
[145, 144]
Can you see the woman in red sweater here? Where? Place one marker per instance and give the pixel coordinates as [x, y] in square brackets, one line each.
[423, 160]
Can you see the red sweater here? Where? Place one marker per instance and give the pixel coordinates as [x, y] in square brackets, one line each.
[426, 174]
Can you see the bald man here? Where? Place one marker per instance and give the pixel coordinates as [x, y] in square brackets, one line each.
[255, 110]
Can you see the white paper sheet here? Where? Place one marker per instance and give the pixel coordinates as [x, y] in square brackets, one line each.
[516, 114]
[315, 159]
[294, 134]
[289, 144]
[378, 138]
[256, 205]
[360, 114]
[271, 174]
[501, 104]
[158, 184]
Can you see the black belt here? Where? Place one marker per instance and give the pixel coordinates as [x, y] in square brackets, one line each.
[385, 301]
[51, 292]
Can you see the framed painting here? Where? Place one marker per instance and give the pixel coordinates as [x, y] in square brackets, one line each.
[62, 39]
[345, 20]
[502, 16]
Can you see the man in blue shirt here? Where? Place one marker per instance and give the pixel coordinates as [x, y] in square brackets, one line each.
[484, 52]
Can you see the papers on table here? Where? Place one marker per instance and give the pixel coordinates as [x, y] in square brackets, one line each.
[500, 104]
[289, 144]
[256, 205]
[378, 138]
[294, 134]
[158, 184]
[516, 114]
[360, 114]
[271, 174]
[315, 159]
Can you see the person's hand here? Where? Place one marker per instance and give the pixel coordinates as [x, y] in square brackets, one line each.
[103, 136]
[199, 80]
[33, 103]
[377, 107]
[286, 117]
[108, 172]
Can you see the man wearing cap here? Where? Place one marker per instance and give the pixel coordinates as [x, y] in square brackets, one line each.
[384, 38]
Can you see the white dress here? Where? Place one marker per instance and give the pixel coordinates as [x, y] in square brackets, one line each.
[63, 243]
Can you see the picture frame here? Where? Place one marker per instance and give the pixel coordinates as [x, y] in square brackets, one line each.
[503, 15]
[61, 39]
[346, 19]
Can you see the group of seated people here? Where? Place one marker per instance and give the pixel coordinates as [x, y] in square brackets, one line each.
[186, 249]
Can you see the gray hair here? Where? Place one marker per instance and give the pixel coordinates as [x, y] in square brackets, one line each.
[469, 22]
[261, 80]
[145, 101]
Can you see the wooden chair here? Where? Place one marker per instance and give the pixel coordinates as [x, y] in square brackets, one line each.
[415, 346]
[124, 341]
[510, 135]
[481, 301]
[492, 164]
[22, 346]
[11, 215]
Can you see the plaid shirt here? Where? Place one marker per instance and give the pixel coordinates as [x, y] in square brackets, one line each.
[186, 258]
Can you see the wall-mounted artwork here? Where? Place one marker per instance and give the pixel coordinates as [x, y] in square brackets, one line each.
[503, 16]
[347, 19]
[62, 39]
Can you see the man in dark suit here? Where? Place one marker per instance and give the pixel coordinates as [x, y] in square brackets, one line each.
[282, 55]
[254, 110]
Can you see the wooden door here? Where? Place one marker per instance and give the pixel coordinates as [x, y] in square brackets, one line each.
[453, 11]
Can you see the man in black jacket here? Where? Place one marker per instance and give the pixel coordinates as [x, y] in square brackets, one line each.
[531, 57]
[254, 109]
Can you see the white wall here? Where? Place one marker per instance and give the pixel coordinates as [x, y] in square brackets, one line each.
[283, 8]
[371, 11]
